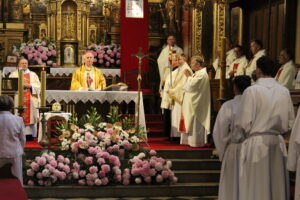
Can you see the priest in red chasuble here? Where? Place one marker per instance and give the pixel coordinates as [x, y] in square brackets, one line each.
[32, 88]
[88, 77]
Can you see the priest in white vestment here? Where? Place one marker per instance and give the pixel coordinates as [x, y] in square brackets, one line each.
[227, 145]
[257, 50]
[32, 88]
[12, 138]
[176, 93]
[287, 72]
[265, 113]
[238, 65]
[293, 161]
[196, 105]
[163, 60]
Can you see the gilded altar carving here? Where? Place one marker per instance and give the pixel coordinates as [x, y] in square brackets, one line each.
[69, 21]
[16, 11]
[219, 25]
[43, 31]
[197, 32]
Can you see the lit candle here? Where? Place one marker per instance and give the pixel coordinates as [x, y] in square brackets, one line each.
[21, 88]
[0, 82]
[43, 88]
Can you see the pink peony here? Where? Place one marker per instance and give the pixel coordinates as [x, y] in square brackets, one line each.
[93, 150]
[30, 172]
[49, 53]
[104, 181]
[62, 176]
[45, 173]
[40, 48]
[88, 160]
[100, 161]
[118, 62]
[30, 56]
[41, 161]
[105, 168]
[53, 52]
[54, 65]
[101, 174]
[67, 161]
[80, 131]
[165, 174]
[82, 182]
[158, 166]
[153, 153]
[107, 64]
[43, 43]
[118, 178]
[50, 47]
[60, 158]
[76, 166]
[82, 173]
[159, 179]
[93, 169]
[66, 168]
[174, 179]
[98, 182]
[30, 182]
[34, 166]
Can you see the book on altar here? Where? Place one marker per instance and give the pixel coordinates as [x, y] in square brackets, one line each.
[117, 87]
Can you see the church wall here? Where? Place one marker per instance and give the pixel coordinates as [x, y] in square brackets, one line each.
[297, 54]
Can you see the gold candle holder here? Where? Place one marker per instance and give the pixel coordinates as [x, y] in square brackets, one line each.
[223, 70]
[43, 88]
[0, 82]
[21, 88]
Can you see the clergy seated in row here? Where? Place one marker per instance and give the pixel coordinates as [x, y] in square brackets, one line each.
[196, 107]
[32, 88]
[238, 65]
[230, 57]
[227, 144]
[88, 77]
[256, 48]
[287, 72]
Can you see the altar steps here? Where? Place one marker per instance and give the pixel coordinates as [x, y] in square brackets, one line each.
[154, 123]
[198, 176]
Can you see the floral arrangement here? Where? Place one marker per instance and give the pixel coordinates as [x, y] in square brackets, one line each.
[100, 153]
[38, 52]
[106, 55]
[48, 169]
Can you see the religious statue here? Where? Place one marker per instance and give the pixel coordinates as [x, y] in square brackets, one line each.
[17, 10]
[172, 16]
[69, 55]
[93, 36]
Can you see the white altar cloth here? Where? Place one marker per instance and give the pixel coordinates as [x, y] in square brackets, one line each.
[100, 96]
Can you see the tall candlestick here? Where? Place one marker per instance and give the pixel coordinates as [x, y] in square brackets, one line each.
[223, 69]
[21, 88]
[0, 82]
[43, 88]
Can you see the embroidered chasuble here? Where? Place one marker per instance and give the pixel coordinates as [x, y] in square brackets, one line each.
[92, 79]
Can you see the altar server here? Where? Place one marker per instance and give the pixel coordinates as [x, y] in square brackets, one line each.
[265, 113]
[227, 145]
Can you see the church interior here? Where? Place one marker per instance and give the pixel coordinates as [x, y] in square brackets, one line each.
[126, 39]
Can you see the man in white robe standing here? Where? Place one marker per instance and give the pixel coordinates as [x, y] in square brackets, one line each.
[196, 105]
[257, 51]
[293, 161]
[227, 145]
[176, 94]
[32, 88]
[265, 113]
[164, 58]
[287, 72]
[237, 66]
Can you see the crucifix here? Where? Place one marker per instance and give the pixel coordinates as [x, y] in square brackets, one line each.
[139, 56]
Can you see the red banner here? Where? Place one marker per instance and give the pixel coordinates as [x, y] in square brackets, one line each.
[133, 34]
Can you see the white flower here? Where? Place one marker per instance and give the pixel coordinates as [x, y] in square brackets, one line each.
[134, 139]
[76, 135]
[89, 127]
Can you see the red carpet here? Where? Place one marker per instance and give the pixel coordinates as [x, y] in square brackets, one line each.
[11, 189]
[153, 143]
